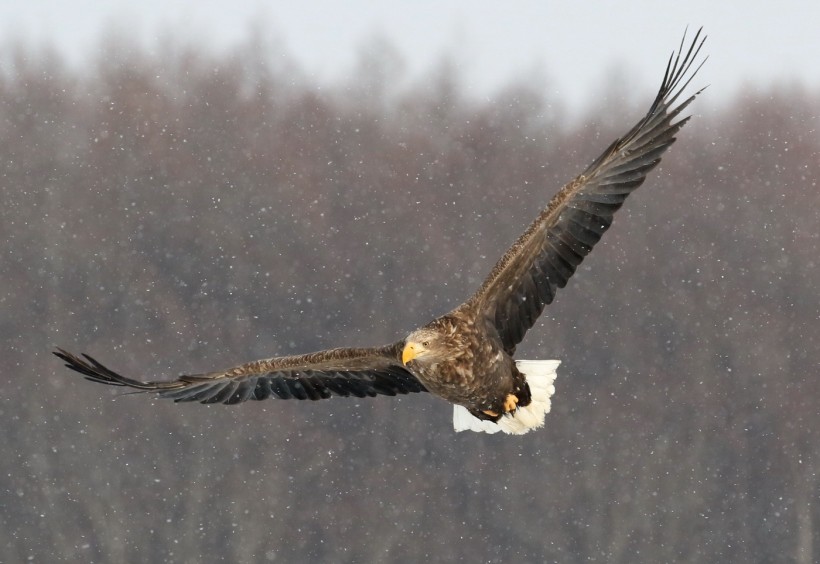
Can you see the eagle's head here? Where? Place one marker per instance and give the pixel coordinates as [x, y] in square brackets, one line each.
[426, 346]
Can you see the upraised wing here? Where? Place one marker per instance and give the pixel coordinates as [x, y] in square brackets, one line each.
[547, 254]
[321, 375]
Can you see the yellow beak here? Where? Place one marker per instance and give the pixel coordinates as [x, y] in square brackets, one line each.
[411, 351]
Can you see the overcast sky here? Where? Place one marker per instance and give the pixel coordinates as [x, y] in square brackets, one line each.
[571, 46]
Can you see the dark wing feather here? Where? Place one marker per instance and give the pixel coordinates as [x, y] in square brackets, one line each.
[337, 372]
[547, 254]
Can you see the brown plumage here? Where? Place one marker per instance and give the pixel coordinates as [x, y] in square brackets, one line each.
[466, 356]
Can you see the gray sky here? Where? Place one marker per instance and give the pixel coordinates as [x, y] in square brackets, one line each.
[571, 47]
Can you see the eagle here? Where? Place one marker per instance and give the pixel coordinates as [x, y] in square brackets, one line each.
[467, 355]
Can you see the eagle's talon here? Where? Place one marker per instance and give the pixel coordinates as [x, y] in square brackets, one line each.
[510, 403]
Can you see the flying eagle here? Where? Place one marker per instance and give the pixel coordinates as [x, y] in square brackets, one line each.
[466, 355]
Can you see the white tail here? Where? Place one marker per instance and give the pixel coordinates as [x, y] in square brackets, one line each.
[540, 375]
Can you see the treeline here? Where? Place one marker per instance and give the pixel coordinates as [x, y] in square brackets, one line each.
[186, 212]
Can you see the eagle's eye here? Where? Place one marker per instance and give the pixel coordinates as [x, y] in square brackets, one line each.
[425, 344]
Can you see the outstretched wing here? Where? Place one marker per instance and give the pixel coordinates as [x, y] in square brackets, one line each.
[321, 375]
[547, 254]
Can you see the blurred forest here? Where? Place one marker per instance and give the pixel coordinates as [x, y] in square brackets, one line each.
[184, 211]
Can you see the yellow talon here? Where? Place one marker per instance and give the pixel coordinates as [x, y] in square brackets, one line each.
[510, 403]
[490, 413]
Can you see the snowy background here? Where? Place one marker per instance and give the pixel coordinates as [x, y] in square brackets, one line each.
[571, 51]
[187, 186]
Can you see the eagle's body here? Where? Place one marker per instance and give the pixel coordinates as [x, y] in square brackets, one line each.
[464, 366]
[466, 356]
